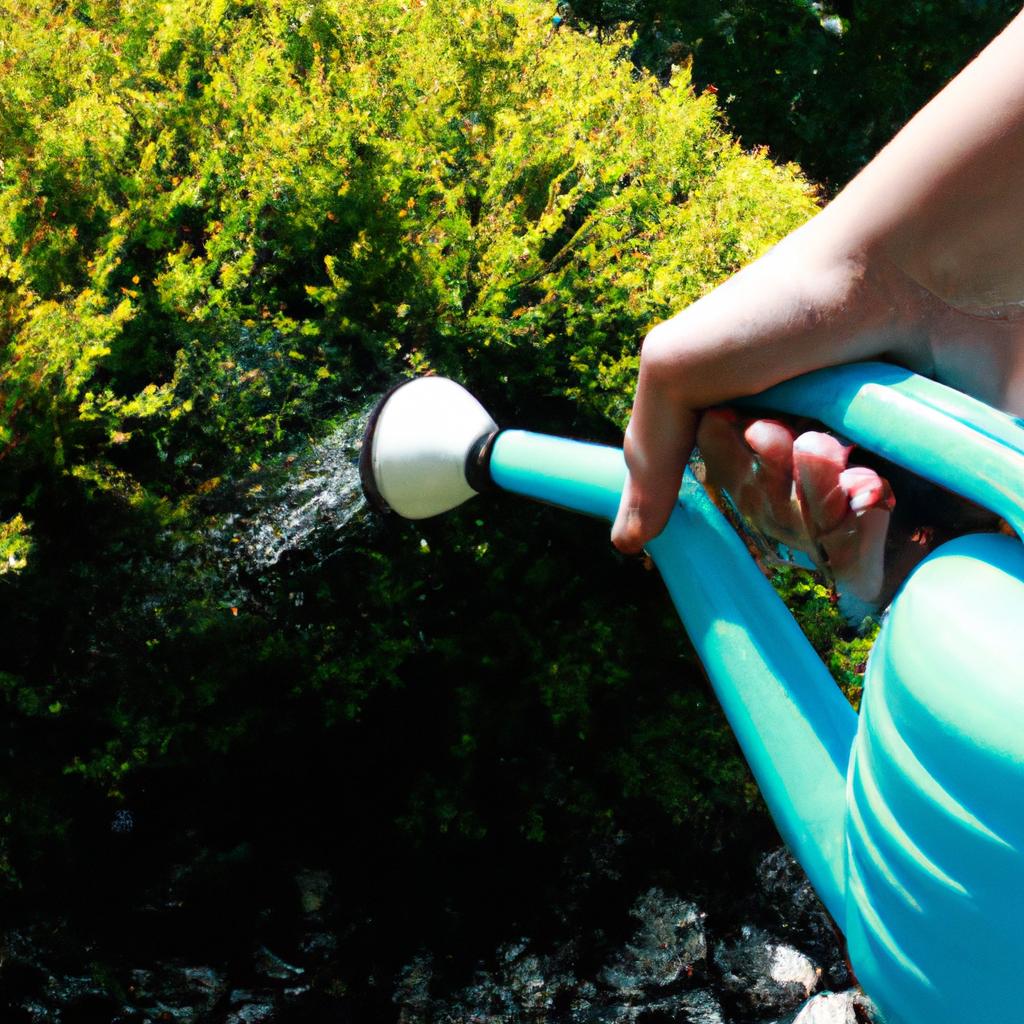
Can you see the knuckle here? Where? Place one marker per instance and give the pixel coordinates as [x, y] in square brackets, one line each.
[658, 345]
[667, 353]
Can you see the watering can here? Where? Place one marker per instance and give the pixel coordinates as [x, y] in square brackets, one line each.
[909, 817]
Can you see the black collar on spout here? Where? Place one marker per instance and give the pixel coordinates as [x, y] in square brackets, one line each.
[478, 463]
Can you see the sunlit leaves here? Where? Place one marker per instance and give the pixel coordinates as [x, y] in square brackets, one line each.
[15, 545]
[225, 223]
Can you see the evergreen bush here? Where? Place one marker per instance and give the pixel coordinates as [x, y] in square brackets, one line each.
[225, 225]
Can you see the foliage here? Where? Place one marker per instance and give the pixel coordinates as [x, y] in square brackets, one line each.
[224, 227]
[826, 84]
[15, 545]
[843, 648]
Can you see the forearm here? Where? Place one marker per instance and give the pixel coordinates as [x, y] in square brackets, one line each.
[945, 199]
[798, 308]
[936, 220]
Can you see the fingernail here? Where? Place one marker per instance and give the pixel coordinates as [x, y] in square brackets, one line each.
[862, 500]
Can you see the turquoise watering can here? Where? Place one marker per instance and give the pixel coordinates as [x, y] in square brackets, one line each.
[909, 818]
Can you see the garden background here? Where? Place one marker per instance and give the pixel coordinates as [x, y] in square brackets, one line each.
[225, 228]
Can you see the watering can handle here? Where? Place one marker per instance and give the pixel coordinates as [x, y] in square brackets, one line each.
[932, 430]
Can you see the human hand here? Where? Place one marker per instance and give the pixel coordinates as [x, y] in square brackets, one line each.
[796, 309]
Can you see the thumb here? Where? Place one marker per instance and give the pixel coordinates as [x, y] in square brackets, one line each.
[658, 443]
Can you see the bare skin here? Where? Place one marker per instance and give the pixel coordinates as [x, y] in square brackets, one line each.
[800, 490]
[919, 261]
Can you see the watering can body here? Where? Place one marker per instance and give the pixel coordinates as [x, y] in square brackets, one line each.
[933, 865]
[935, 803]
[909, 818]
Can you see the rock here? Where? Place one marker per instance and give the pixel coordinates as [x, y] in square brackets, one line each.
[314, 889]
[71, 990]
[21, 946]
[141, 985]
[296, 993]
[668, 945]
[319, 947]
[76, 997]
[37, 1013]
[849, 1007]
[581, 1008]
[252, 1013]
[123, 822]
[171, 992]
[524, 984]
[701, 1007]
[790, 965]
[412, 992]
[653, 979]
[800, 916]
[529, 980]
[698, 1006]
[203, 986]
[269, 965]
[762, 976]
[828, 1008]
[520, 986]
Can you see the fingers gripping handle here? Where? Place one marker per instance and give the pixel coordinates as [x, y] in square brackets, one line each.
[930, 429]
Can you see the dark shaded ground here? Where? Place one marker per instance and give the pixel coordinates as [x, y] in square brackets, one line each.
[284, 927]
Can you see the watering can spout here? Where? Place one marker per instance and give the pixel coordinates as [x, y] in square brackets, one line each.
[792, 722]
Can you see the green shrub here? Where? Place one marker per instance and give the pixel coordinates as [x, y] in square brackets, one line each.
[224, 226]
[346, 189]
